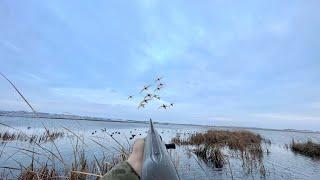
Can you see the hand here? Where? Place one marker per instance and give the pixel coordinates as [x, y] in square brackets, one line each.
[136, 157]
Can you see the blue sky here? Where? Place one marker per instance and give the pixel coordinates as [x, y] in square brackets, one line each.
[241, 63]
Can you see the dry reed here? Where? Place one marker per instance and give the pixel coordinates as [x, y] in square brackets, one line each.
[81, 167]
[308, 148]
[210, 146]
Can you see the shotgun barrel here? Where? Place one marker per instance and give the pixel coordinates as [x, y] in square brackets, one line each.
[157, 164]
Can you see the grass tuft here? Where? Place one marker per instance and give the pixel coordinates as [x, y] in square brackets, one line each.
[211, 146]
[308, 148]
[42, 138]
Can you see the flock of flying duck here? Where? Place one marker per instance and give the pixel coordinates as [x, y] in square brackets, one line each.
[152, 96]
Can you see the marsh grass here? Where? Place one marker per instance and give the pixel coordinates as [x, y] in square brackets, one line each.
[238, 140]
[308, 148]
[42, 138]
[210, 154]
[80, 168]
[49, 163]
[212, 147]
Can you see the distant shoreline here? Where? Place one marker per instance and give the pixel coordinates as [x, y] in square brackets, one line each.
[97, 119]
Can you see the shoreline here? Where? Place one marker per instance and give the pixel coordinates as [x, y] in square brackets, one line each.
[106, 120]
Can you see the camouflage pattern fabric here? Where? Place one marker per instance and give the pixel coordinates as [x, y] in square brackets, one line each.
[122, 171]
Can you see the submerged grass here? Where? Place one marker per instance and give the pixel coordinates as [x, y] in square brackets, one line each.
[308, 148]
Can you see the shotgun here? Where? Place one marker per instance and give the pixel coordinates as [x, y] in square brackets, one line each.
[157, 164]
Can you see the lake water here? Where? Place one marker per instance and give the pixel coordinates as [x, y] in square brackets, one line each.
[280, 163]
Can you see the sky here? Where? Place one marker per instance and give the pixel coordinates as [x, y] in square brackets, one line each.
[228, 63]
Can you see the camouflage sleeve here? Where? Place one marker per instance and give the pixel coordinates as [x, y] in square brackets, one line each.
[122, 171]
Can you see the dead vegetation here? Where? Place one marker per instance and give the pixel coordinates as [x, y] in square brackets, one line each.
[81, 168]
[238, 140]
[20, 136]
[48, 163]
[210, 154]
[212, 147]
[308, 148]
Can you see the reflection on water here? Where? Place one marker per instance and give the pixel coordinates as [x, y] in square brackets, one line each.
[280, 163]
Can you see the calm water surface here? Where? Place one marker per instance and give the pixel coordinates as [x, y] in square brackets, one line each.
[280, 163]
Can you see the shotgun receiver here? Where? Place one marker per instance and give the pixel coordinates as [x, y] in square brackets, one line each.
[157, 164]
